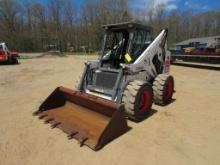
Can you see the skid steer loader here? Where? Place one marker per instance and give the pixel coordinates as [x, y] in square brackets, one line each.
[6, 56]
[130, 74]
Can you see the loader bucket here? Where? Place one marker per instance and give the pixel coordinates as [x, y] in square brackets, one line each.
[91, 120]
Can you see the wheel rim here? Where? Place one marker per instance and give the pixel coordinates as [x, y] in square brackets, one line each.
[146, 101]
[169, 90]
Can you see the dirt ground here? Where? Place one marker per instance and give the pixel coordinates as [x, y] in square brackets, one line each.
[184, 132]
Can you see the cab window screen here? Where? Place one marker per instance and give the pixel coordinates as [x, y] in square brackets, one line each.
[113, 45]
[141, 41]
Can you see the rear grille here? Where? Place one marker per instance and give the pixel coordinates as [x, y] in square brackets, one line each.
[106, 79]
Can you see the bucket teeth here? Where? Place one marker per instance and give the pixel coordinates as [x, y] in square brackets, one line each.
[42, 116]
[48, 120]
[71, 135]
[54, 125]
[82, 141]
[36, 113]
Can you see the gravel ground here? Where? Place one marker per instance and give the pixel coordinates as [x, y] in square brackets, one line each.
[184, 132]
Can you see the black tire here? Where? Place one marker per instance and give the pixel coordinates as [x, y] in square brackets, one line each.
[138, 98]
[163, 87]
[9, 60]
[14, 60]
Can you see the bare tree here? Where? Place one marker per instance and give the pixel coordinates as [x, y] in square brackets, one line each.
[9, 11]
[30, 25]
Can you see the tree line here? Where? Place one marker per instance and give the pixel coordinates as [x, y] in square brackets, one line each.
[32, 26]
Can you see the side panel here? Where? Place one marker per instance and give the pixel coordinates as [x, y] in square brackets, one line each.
[88, 66]
[152, 60]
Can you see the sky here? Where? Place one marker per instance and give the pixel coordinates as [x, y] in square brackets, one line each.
[193, 5]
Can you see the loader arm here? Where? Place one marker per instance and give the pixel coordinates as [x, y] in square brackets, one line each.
[153, 58]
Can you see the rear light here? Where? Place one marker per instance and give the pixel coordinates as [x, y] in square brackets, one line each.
[2, 55]
[15, 54]
[167, 62]
[2, 52]
[167, 66]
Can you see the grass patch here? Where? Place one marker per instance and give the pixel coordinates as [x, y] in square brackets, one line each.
[63, 54]
[80, 53]
[26, 57]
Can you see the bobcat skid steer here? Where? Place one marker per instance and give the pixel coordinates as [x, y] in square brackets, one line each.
[131, 74]
[6, 56]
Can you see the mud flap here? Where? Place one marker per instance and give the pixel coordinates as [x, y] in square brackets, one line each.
[91, 120]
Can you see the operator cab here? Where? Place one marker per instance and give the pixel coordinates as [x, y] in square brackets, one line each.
[124, 43]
